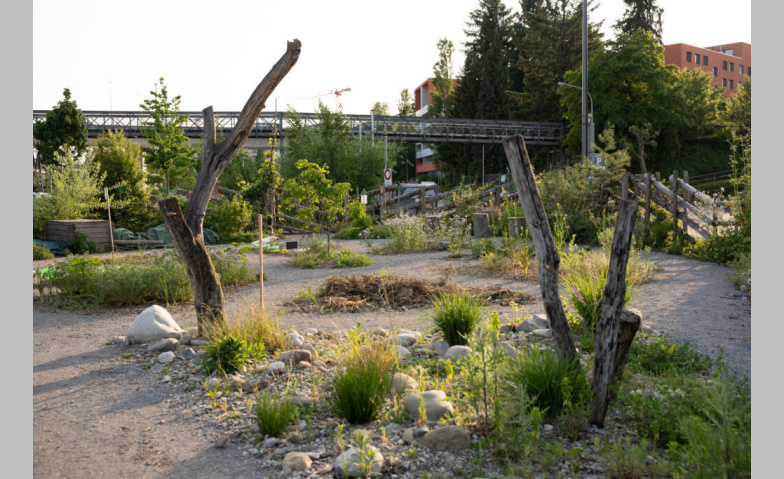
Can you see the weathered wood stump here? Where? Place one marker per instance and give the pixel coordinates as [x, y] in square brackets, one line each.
[516, 227]
[481, 225]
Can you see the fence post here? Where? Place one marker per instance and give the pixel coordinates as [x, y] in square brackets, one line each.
[686, 194]
[674, 205]
[647, 199]
[382, 202]
[658, 176]
[422, 200]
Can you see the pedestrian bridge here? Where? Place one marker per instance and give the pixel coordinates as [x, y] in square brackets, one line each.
[394, 128]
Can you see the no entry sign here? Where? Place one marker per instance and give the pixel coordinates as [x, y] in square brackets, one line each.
[387, 177]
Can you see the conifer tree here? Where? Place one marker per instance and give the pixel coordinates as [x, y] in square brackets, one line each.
[641, 14]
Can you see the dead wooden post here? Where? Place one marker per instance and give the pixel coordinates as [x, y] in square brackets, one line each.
[612, 307]
[186, 229]
[481, 225]
[382, 201]
[647, 199]
[516, 227]
[422, 200]
[630, 322]
[261, 263]
[625, 187]
[675, 205]
[658, 176]
[686, 194]
[546, 254]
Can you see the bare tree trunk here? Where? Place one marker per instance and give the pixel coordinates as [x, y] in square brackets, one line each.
[612, 306]
[546, 252]
[187, 230]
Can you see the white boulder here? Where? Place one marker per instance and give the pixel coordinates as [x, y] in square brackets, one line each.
[153, 324]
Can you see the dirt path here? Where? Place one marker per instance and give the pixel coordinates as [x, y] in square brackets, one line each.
[97, 414]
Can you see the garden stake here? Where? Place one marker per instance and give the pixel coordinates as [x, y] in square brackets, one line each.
[261, 264]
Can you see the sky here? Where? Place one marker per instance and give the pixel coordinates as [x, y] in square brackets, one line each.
[111, 54]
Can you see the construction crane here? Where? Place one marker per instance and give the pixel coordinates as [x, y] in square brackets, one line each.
[335, 92]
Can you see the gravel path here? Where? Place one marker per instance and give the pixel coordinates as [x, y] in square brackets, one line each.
[97, 414]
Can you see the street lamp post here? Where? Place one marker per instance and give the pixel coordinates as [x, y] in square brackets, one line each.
[589, 125]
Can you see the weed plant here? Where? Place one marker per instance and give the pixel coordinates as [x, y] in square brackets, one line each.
[351, 259]
[481, 374]
[259, 329]
[550, 378]
[622, 459]
[314, 253]
[455, 315]
[659, 356]
[81, 244]
[363, 379]
[41, 252]
[229, 355]
[274, 414]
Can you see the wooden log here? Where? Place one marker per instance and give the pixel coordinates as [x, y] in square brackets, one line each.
[612, 306]
[686, 194]
[647, 198]
[516, 226]
[547, 256]
[382, 203]
[301, 222]
[675, 205]
[659, 200]
[138, 242]
[695, 192]
[630, 322]
[422, 200]
[481, 225]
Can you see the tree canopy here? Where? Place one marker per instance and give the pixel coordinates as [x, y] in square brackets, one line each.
[168, 152]
[64, 128]
[443, 77]
[642, 15]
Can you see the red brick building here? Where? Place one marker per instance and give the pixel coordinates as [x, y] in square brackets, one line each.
[422, 101]
[729, 64]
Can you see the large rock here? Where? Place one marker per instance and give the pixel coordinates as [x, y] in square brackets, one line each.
[537, 321]
[296, 461]
[167, 344]
[295, 356]
[456, 352]
[436, 406]
[447, 438]
[153, 324]
[346, 464]
[402, 383]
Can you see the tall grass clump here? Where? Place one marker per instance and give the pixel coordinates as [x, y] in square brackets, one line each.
[351, 259]
[274, 414]
[456, 315]
[550, 378]
[256, 326]
[229, 355]
[363, 379]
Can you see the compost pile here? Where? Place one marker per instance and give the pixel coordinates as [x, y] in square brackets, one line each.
[389, 291]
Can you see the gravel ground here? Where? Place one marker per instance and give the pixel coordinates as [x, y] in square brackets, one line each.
[97, 414]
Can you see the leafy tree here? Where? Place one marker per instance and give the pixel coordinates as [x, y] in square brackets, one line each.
[703, 102]
[548, 45]
[333, 146]
[642, 15]
[737, 116]
[168, 151]
[64, 128]
[75, 193]
[405, 106]
[117, 159]
[243, 169]
[380, 108]
[482, 91]
[631, 87]
[443, 74]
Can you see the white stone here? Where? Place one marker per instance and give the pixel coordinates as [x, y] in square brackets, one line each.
[350, 459]
[294, 340]
[165, 358]
[402, 352]
[278, 367]
[153, 324]
[402, 383]
[436, 405]
[456, 352]
[296, 461]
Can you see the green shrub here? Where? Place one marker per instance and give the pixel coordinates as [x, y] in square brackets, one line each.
[363, 380]
[313, 253]
[550, 378]
[82, 244]
[259, 329]
[228, 356]
[358, 215]
[233, 268]
[229, 218]
[41, 252]
[351, 259]
[274, 414]
[623, 460]
[717, 440]
[483, 246]
[348, 233]
[659, 356]
[456, 315]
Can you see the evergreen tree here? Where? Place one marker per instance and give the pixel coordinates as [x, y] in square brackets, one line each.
[64, 128]
[641, 14]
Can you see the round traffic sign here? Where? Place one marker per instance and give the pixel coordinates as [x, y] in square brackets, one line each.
[388, 174]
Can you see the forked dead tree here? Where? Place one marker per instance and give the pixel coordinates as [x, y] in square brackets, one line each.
[612, 341]
[186, 229]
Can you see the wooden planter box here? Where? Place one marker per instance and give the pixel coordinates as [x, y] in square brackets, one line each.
[65, 230]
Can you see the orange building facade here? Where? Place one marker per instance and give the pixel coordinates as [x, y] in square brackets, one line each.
[730, 64]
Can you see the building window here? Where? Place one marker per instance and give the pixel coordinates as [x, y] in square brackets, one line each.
[705, 60]
[732, 67]
[688, 57]
[724, 65]
[724, 82]
[740, 69]
[748, 71]
[732, 84]
[697, 58]
[715, 71]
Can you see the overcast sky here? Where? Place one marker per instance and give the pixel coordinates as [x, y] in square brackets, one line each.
[111, 54]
